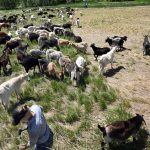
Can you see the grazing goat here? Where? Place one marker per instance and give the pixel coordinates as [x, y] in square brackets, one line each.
[9, 86]
[54, 55]
[77, 39]
[20, 55]
[44, 43]
[30, 62]
[4, 60]
[4, 25]
[32, 36]
[4, 39]
[36, 53]
[3, 34]
[54, 72]
[116, 41]
[121, 130]
[63, 42]
[67, 25]
[80, 47]
[146, 45]
[99, 51]
[12, 43]
[43, 64]
[106, 59]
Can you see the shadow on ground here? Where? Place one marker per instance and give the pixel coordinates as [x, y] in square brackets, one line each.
[112, 72]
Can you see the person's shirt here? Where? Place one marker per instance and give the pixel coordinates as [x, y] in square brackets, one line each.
[38, 130]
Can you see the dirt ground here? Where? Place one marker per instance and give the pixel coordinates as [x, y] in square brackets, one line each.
[131, 69]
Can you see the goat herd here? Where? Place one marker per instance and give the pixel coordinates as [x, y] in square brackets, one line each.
[47, 35]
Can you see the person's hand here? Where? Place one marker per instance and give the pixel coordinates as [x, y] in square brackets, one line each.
[22, 146]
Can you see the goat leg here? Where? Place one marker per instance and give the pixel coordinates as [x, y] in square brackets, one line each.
[102, 145]
[111, 65]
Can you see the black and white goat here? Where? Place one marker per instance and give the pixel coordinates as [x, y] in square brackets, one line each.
[116, 41]
[121, 130]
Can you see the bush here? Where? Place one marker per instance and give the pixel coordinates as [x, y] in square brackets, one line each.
[9, 4]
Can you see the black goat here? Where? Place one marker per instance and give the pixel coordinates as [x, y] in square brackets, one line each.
[69, 34]
[67, 25]
[4, 39]
[77, 39]
[32, 36]
[30, 62]
[46, 43]
[146, 45]
[99, 51]
[121, 130]
[28, 25]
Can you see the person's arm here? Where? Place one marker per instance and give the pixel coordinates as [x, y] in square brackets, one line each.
[23, 147]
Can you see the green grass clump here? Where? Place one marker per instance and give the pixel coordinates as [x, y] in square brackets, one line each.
[73, 114]
[117, 114]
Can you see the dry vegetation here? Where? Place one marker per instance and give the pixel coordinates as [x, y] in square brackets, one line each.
[73, 113]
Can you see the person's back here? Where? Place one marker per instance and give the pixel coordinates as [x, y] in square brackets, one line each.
[38, 129]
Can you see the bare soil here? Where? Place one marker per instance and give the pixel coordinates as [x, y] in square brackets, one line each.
[131, 69]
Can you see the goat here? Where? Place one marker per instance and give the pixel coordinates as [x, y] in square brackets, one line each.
[67, 25]
[12, 43]
[2, 34]
[4, 25]
[116, 41]
[80, 47]
[106, 59]
[54, 72]
[77, 39]
[4, 39]
[121, 130]
[28, 25]
[99, 51]
[63, 42]
[43, 64]
[4, 60]
[146, 45]
[9, 86]
[45, 43]
[36, 53]
[30, 62]
[32, 36]
[22, 48]
[54, 55]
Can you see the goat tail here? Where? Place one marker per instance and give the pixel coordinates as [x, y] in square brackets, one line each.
[102, 129]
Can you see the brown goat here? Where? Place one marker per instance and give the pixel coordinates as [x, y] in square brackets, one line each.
[4, 60]
[2, 34]
[4, 25]
[121, 130]
[53, 71]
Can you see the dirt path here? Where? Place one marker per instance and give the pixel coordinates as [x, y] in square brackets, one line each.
[131, 74]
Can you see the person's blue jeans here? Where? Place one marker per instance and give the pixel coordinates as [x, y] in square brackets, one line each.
[47, 145]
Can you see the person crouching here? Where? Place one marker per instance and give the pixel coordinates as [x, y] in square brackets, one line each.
[40, 135]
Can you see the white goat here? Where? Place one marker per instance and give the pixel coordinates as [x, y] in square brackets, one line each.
[106, 59]
[54, 55]
[9, 86]
[33, 18]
